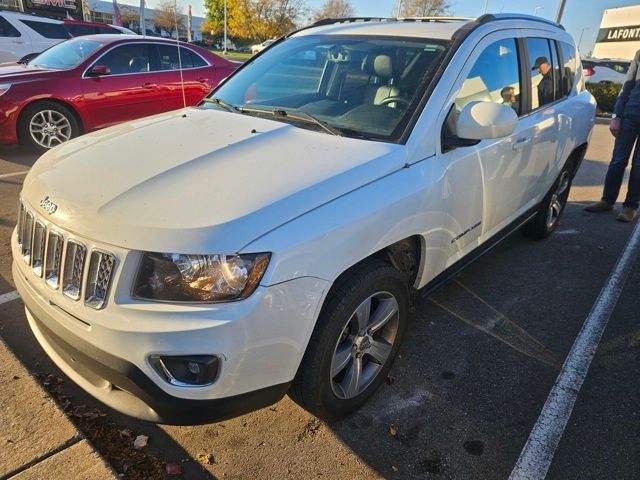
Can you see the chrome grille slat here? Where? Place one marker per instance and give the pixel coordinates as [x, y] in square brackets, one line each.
[53, 261]
[98, 279]
[27, 237]
[39, 239]
[73, 269]
[21, 213]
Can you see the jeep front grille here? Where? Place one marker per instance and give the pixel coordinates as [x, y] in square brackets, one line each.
[43, 249]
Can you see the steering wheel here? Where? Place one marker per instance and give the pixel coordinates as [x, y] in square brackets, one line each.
[395, 99]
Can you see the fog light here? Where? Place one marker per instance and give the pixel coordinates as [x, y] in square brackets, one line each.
[186, 371]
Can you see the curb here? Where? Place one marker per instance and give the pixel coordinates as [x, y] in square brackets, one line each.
[38, 440]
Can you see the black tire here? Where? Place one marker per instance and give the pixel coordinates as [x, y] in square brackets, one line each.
[541, 226]
[314, 388]
[58, 112]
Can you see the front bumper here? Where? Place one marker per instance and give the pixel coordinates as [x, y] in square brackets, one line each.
[260, 350]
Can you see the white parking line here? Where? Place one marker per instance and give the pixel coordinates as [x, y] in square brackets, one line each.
[14, 174]
[537, 454]
[8, 297]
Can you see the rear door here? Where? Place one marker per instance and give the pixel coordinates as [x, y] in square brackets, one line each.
[14, 43]
[131, 89]
[196, 78]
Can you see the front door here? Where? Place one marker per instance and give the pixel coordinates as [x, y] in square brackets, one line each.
[487, 182]
[128, 92]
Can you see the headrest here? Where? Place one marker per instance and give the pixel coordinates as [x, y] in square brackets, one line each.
[380, 65]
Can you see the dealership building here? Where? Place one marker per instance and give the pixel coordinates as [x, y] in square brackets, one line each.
[95, 11]
[619, 34]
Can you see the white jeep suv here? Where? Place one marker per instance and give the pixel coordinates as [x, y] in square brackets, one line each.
[199, 264]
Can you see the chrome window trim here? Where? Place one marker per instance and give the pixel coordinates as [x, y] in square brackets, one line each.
[84, 74]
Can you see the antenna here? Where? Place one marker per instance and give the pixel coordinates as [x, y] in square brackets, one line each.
[175, 18]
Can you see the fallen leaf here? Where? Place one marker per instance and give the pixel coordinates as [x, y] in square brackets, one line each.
[140, 442]
[394, 468]
[206, 458]
[173, 468]
[393, 430]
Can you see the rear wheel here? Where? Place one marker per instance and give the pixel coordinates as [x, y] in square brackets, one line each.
[355, 341]
[548, 216]
[44, 125]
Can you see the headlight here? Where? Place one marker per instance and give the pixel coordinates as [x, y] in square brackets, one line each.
[176, 277]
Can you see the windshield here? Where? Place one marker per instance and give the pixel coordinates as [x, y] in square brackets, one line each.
[67, 54]
[364, 87]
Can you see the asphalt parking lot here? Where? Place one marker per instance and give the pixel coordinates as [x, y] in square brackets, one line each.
[479, 360]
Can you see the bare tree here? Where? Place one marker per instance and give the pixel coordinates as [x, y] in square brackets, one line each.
[334, 9]
[166, 15]
[424, 8]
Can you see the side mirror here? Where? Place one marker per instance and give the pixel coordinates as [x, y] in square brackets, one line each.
[484, 120]
[99, 70]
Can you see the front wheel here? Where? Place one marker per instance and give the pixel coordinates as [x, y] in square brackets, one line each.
[44, 125]
[354, 343]
[548, 216]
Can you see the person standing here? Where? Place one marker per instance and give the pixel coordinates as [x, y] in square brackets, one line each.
[625, 127]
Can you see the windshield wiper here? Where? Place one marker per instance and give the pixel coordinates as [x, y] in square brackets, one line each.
[221, 103]
[295, 115]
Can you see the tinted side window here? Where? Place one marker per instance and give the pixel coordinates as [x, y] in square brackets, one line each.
[6, 29]
[169, 57]
[134, 58]
[570, 67]
[495, 77]
[196, 60]
[109, 30]
[79, 30]
[47, 30]
[542, 73]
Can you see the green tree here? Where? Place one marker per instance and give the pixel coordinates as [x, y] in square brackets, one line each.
[264, 19]
[214, 24]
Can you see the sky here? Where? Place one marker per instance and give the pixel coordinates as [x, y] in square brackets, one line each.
[579, 15]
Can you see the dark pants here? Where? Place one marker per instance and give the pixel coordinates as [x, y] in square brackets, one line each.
[621, 152]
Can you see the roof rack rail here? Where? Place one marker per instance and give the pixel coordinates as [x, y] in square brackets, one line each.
[435, 19]
[331, 21]
[491, 17]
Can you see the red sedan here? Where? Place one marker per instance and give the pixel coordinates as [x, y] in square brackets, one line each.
[95, 81]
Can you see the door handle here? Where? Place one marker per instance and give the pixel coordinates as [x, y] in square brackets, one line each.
[18, 41]
[522, 142]
[203, 80]
[149, 85]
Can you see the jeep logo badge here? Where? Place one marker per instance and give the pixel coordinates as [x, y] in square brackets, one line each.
[48, 206]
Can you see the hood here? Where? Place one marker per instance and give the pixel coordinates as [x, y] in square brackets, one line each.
[18, 71]
[199, 180]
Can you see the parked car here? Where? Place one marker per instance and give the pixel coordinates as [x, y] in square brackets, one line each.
[201, 263]
[598, 70]
[22, 35]
[95, 81]
[261, 46]
[77, 28]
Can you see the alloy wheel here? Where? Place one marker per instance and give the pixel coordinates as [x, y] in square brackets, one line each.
[365, 345]
[49, 128]
[558, 199]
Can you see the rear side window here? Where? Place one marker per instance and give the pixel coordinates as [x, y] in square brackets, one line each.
[570, 66]
[6, 29]
[80, 30]
[47, 30]
[169, 59]
[495, 77]
[543, 83]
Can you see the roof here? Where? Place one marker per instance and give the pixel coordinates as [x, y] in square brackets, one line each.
[443, 30]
